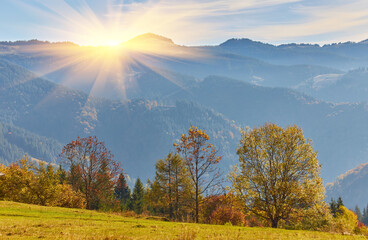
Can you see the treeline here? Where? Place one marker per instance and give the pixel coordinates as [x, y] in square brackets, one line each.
[276, 183]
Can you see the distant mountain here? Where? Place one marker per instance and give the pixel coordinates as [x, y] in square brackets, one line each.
[80, 67]
[349, 87]
[342, 56]
[149, 38]
[351, 187]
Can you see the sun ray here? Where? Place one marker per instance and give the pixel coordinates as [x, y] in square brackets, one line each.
[106, 62]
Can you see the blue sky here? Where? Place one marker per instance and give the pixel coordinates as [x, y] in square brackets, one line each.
[191, 22]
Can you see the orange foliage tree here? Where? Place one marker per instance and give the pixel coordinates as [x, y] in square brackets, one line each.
[92, 163]
[201, 159]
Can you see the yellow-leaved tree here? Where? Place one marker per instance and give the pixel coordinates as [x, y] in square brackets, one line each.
[278, 172]
[201, 160]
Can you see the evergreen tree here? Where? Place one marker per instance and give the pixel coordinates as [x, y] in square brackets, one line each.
[335, 206]
[138, 197]
[358, 213]
[122, 192]
[62, 174]
[365, 215]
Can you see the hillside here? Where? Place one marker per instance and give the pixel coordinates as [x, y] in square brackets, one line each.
[350, 187]
[348, 87]
[138, 132]
[15, 142]
[30, 221]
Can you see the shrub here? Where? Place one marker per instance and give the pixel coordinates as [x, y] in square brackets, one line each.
[228, 214]
[223, 209]
[317, 217]
[66, 197]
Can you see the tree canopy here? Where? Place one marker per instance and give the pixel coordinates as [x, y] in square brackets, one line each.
[278, 172]
[92, 167]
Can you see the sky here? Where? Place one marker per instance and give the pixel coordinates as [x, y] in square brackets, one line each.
[186, 22]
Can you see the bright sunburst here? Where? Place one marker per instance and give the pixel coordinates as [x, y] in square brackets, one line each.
[104, 61]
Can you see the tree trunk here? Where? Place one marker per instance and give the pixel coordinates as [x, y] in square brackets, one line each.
[274, 223]
[197, 204]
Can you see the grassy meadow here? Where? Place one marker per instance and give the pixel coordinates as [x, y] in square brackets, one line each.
[25, 221]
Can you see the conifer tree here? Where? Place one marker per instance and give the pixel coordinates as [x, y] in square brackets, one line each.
[358, 213]
[122, 192]
[138, 197]
[62, 174]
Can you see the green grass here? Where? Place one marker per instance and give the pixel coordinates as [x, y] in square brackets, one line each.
[24, 221]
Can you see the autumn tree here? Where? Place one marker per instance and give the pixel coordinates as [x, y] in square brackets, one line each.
[201, 160]
[92, 168]
[278, 172]
[122, 192]
[138, 197]
[173, 184]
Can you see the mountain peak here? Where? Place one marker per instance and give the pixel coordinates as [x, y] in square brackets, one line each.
[236, 42]
[151, 37]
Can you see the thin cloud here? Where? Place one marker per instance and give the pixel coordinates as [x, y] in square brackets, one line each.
[201, 22]
[342, 22]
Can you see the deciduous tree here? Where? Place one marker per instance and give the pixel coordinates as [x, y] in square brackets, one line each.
[88, 160]
[278, 172]
[201, 160]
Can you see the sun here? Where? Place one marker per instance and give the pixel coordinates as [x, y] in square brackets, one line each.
[111, 43]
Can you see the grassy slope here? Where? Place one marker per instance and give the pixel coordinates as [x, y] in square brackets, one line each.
[24, 221]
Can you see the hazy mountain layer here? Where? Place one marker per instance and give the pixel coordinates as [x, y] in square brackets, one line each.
[351, 187]
[349, 87]
[138, 132]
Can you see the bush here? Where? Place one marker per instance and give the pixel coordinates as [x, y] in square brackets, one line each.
[66, 197]
[228, 214]
[223, 209]
[315, 218]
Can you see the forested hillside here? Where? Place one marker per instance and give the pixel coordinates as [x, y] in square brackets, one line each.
[15, 142]
[138, 132]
